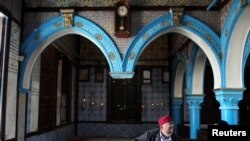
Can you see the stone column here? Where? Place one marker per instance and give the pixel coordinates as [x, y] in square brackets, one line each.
[21, 116]
[194, 102]
[229, 99]
[176, 112]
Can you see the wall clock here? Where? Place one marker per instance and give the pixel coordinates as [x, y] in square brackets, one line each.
[122, 19]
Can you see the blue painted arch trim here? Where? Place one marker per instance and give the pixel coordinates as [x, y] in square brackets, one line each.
[230, 21]
[164, 25]
[145, 35]
[53, 29]
[102, 40]
[204, 31]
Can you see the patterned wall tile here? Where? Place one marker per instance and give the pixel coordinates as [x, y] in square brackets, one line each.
[95, 93]
[211, 18]
[157, 94]
[224, 13]
[155, 97]
[33, 20]
[60, 134]
[14, 6]
[97, 3]
[105, 19]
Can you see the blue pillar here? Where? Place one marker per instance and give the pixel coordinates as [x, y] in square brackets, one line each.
[194, 102]
[229, 99]
[176, 112]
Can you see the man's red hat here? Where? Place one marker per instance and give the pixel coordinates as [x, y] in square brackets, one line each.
[164, 119]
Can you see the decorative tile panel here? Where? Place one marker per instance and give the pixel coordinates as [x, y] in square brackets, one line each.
[211, 18]
[34, 20]
[155, 97]
[60, 134]
[92, 98]
[113, 130]
[14, 6]
[224, 12]
[105, 19]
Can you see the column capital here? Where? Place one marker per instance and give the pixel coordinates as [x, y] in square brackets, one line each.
[176, 102]
[229, 97]
[194, 101]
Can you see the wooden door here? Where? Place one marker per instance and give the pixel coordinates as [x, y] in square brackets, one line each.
[48, 87]
[124, 100]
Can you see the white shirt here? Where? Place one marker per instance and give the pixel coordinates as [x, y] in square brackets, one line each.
[165, 139]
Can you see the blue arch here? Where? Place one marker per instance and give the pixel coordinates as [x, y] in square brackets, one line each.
[232, 17]
[190, 69]
[161, 26]
[53, 29]
[145, 35]
[178, 76]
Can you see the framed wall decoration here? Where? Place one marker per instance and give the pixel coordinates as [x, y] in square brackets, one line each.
[84, 74]
[99, 74]
[146, 76]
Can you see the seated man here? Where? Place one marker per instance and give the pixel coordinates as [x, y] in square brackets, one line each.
[164, 133]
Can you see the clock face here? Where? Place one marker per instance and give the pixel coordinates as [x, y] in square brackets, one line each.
[122, 11]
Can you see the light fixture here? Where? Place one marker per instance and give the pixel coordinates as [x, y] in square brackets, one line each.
[84, 103]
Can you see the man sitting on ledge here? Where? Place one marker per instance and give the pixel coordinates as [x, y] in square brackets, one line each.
[163, 133]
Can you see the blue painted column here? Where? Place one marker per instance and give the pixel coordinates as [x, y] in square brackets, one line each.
[194, 102]
[229, 99]
[176, 112]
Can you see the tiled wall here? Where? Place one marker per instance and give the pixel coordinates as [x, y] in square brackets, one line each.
[33, 20]
[97, 3]
[105, 19]
[60, 134]
[224, 13]
[211, 18]
[95, 93]
[156, 93]
[155, 98]
[14, 7]
[113, 130]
